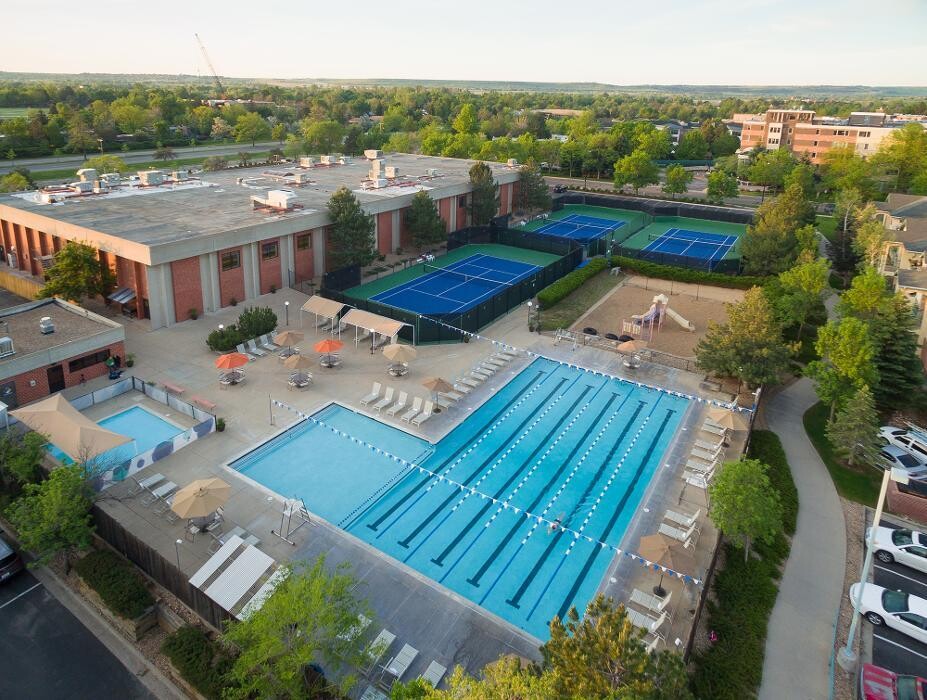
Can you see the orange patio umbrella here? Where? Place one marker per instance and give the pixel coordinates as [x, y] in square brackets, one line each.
[328, 346]
[231, 360]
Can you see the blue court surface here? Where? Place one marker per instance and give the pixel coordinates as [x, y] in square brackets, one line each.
[580, 227]
[692, 244]
[458, 287]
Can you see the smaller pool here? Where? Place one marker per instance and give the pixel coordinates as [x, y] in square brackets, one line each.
[144, 427]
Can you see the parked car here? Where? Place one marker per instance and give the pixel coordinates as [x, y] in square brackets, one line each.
[908, 547]
[560, 188]
[892, 456]
[877, 683]
[908, 440]
[10, 561]
[896, 609]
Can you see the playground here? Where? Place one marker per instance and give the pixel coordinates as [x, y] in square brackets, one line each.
[687, 306]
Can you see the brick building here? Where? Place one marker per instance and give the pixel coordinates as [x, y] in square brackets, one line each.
[39, 357]
[182, 242]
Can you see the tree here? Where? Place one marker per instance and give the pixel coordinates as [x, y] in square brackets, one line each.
[164, 153]
[637, 170]
[844, 169]
[351, 236]
[465, 122]
[770, 168]
[724, 145]
[14, 182]
[251, 127]
[220, 129]
[803, 287]
[677, 179]
[897, 360]
[870, 236]
[904, 155]
[532, 193]
[721, 186]
[80, 135]
[424, 222]
[77, 273]
[854, 430]
[654, 142]
[846, 362]
[323, 136]
[484, 197]
[572, 155]
[54, 516]
[213, 163]
[20, 457]
[802, 175]
[106, 164]
[310, 617]
[749, 346]
[770, 244]
[692, 146]
[278, 132]
[744, 505]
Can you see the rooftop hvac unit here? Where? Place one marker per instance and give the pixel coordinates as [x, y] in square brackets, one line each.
[178, 175]
[87, 174]
[328, 160]
[301, 178]
[275, 199]
[151, 177]
[49, 197]
[82, 186]
[6, 347]
[431, 172]
[306, 161]
[46, 325]
[344, 160]
[378, 182]
[100, 187]
[512, 162]
[111, 179]
[392, 171]
[373, 154]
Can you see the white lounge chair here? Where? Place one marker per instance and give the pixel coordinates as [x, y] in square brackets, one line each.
[254, 349]
[698, 465]
[696, 480]
[385, 401]
[241, 348]
[444, 402]
[483, 374]
[676, 533]
[426, 413]
[373, 395]
[452, 395]
[493, 362]
[645, 622]
[649, 602]
[399, 405]
[708, 445]
[462, 388]
[707, 455]
[682, 518]
[145, 484]
[506, 354]
[268, 344]
[163, 491]
[434, 673]
[651, 640]
[486, 367]
[414, 411]
[399, 664]
[378, 647]
[714, 429]
[472, 382]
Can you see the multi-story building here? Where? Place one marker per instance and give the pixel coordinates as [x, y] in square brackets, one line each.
[181, 244]
[803, 133]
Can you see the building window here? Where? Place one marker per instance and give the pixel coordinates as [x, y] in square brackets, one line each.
[269, 251]
[462, 201]
[814, 155]
[304, 241]
[88, 361]
[864, 134]
[231, 260]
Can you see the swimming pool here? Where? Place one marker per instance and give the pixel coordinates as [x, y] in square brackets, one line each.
[144, 427]
[555, 442]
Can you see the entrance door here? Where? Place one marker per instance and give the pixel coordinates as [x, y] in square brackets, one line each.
[55, 379]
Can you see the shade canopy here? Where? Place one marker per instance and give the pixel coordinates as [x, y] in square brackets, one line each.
[68, 429]
[437, 384]
[726, 418]
[288, 338]
[666, 552]
[200, 498]
[631, 346]
[328, 345]
[400, 353]
[298, 362]
[374, 323]
[323, 307]
[231, 360]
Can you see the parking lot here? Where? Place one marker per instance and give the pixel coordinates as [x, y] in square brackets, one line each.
[891, 649]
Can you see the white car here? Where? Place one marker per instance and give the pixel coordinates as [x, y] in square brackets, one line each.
[896, 609]
[908, 547]
[891, 456]
[908, 440]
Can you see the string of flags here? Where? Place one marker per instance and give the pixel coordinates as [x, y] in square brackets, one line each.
[443, 478]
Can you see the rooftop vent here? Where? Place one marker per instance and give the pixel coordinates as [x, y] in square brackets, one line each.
[306, 161]
[328, 160]
[151, 177]
[373, 154]
[178, 175]
[46, 325]
[6, 347]
[281, 200]
[512, 162]
[87, 174]
[392, 171]
[431, 172]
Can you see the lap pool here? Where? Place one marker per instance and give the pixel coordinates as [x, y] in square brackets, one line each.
[556, 443]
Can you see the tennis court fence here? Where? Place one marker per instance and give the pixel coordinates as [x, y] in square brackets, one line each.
[726, 267]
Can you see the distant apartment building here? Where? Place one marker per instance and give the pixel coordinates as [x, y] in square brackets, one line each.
[803, 133]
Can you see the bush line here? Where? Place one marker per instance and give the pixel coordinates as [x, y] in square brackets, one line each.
[681, 274]
[116, 582]
[566, 285]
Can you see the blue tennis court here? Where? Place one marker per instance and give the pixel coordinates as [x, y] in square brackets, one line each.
[693, 244]
[580, 227]
[457, 287]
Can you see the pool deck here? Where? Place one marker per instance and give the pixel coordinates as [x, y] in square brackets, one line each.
[443, 626]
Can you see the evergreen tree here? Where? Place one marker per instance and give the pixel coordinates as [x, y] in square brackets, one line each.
[894, 334]
[532, 191]
[770, 244]
[351, 233]
[424, 222]
[484, 196]
[854, 430]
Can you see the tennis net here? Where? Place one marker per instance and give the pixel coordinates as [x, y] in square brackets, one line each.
[461, 276]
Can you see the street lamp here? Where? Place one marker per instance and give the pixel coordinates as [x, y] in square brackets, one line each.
[535, 307]
[221, 327]
[177, 544]
[100, 141]
[846, 657]
[286, 312]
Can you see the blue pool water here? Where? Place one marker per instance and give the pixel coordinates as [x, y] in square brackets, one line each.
[556, 442]
[145, 428]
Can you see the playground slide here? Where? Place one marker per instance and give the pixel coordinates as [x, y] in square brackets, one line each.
[652, 314]
[688, 325]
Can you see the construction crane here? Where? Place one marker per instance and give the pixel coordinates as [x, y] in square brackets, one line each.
[211, 68]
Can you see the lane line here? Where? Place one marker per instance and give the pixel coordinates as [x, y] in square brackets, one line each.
[895, 573]
[14, 599]
[900, 646]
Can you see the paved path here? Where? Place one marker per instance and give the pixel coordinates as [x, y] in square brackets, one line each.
[801, 629]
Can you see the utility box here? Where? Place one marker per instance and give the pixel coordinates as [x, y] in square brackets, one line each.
[151, 177]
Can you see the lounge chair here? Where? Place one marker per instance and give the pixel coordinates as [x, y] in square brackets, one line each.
[444, 402]
[241, 348]
[713, 429]
[682, 518]
[452, 395]
[472, 382]
[486, 367]
[696, 480]
[649, 602]
[676, 533]
[254, 349]
[373, 395]
[163, 491]
[698, 465]
[434, 673]
[164, 506]
[378, 647]
[385, 401]
[707, 455]
[268, 344]
[399, 664]
[477, 377]
[426, 413]
[483, 374]
[399, 405]
[651, 640]
[414, 411]
[710, 446]
[505, 354]
[145, 484]
[461, 388]
[645, 622]
[493, 362]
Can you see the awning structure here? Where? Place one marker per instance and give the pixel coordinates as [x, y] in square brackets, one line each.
[326, 311]
[373, 323]
[68, 429]
[123, 295]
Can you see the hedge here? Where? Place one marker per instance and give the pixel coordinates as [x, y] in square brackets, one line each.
[203, 663]
[116, 582]
[745, 593]
[682, 274]
[252, 322]
[566, 285]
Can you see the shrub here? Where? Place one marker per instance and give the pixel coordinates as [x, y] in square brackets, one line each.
[220, 425]
[115, 581]
[568, 284]
[225, 339]
[193, 313]
[256, 321]
[202, 662]
[681, 274]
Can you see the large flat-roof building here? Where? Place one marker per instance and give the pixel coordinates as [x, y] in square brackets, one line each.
[179, 242]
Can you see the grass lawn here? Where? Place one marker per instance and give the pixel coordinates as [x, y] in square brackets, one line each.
[65, 173]
[565, 312]
[861, 485]
[827, 225]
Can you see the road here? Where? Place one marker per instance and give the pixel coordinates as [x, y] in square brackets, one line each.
[697, 189]
[45, 652]
[75, 161]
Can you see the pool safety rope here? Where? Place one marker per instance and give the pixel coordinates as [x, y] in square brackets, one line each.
[686, 578]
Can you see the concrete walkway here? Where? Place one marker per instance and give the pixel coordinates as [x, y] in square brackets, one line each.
[801, 629]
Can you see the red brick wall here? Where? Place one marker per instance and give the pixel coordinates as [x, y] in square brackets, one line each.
[385, 232]
[504, 199]
[27, 394]
[444, 209]
[269, 269]
[231, 282]
[461, 213]
[303, 262]
[405, 236]
[909, 505]
[125, 272]
[188, 288]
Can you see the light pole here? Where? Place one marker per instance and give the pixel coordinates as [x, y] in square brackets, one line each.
[100, 141]
[846, 657]
[177, 544]
[534, 308]
[286, 313]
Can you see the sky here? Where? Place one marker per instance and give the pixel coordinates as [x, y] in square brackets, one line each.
[623, 42]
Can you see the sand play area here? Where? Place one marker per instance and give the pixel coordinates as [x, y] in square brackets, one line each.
[696, 304]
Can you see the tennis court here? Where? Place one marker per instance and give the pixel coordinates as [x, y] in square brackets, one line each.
[694, 244]
[456, 287]
[580, 227]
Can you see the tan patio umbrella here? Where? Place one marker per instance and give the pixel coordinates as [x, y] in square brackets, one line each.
[436, 385]
[288, 338]
[298, 362]
[631, 346]
[727, 419]
[68, 429]
[400, 353]
[200, 498]
[669, 553]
